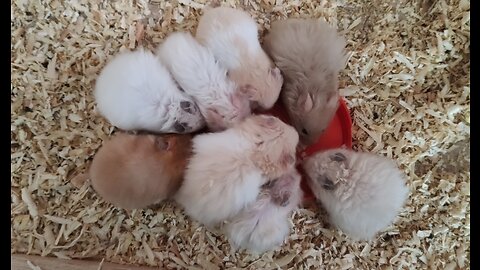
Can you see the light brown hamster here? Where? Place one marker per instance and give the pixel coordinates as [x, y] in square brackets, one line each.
[137, 171]
[310, 54]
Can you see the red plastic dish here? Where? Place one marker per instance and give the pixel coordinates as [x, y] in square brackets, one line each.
[338, 134]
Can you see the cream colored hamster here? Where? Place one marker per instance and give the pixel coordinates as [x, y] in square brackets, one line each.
[135, 171]
[264, 224]
[362, 192]
[228, 168]
[310, 54]
[198, 73]
[232, 35]
[134, 91]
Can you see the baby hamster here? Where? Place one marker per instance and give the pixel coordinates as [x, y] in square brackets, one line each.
[198, 73]
[136, 171]
[264, 223]
[361, 192]
[228, 168]
[310, 55]
[232, 35]
[134, 91]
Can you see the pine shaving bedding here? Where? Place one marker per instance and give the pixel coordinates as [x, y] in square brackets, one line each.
[407, 83]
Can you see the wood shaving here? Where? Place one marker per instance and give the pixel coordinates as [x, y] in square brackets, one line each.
[407, 83]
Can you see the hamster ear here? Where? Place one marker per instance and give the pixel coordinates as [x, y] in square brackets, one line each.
[333, 98]
[287, 159]
[163, 143]
[187, 106]
[240, 102]
[267, 121]
[282, 199]
[269, 184]
[215, 118]
[276, 73]
[305, 102]
[248, 91]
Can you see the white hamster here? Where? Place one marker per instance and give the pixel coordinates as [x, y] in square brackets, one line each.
[198, 73]
[134, 91]
[232, 35]
[264, 223]
[228, 168]
[362, 192]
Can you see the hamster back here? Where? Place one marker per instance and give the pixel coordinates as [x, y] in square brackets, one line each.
[135, 171]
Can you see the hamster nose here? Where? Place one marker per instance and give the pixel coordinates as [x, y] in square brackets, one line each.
[188, 107]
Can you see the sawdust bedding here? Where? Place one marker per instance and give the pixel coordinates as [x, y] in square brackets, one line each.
[407, 83]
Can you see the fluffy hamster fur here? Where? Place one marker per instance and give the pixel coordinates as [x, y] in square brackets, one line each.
[310, 55]
[195, 69]
[264, 223]
[134, 91]
[362, 192]
[228, 168]
[232, 35]
[135, 171]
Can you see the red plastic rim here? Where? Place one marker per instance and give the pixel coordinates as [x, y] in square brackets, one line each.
[338, 134]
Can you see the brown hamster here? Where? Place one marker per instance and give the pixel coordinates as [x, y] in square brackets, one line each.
[310, 54]
[136, 171]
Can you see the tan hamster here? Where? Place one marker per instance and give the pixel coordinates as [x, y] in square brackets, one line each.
[362, 192]
[232, 36]
[136, 171]
[310, 54]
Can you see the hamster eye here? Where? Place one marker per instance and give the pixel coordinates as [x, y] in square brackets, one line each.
[304, 131]
[338, 157]
[326, 183]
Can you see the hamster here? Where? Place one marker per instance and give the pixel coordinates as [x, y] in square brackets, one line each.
[232, 35]
[198, 73]
[361, 192]
[264, 223]
[310, 55]
[228, 168]
[134, 91]
[136, 171]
